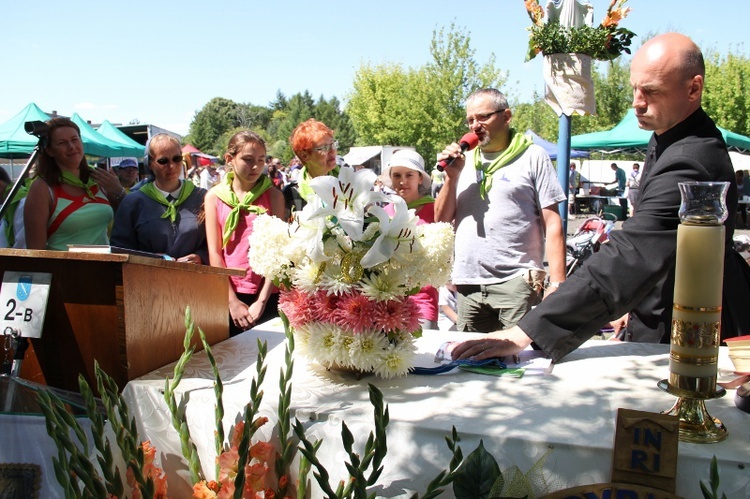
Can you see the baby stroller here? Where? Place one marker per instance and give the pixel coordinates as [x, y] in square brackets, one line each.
[587, 240]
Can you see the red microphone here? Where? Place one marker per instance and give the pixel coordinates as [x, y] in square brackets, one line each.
[467, 143]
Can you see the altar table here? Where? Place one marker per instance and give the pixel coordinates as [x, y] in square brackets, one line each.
[571, 412]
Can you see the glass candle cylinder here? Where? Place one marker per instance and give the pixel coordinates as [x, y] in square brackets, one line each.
[699, 271]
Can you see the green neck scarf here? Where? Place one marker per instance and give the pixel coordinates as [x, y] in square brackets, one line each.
[151, 191]
[225, 192]
[303, 183]
[74, 180]
[518, 144]
[419, 202]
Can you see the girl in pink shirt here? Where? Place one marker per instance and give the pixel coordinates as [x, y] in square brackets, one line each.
[231, 206]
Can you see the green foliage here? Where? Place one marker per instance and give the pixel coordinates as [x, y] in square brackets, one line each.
[220, 118]
[604, 44]
[713, 493]
[726, 95]
[537, 116]
[480, 478]
[478, 475]
[75, 471]
[613, 95]
[214, 119]
[421, 107]
[365, 471]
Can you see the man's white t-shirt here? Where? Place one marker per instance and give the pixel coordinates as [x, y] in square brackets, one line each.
[499, 237]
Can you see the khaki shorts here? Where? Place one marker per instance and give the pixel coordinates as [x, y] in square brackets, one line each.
[490, 307]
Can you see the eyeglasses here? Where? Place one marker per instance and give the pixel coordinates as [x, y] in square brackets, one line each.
[482, 118]
[165, 161]
[324, 149]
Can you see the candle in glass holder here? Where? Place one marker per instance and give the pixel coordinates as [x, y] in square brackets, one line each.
[699, 271]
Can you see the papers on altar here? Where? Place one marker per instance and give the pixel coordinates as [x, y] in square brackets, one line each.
[528, 362]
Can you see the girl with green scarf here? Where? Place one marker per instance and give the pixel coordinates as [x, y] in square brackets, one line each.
[165, 215]
[72, 204]
[231, 206]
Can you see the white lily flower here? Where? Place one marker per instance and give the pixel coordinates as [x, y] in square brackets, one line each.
[347, 197]
[395, 232]
[310, 228]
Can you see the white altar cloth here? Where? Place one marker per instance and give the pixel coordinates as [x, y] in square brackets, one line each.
[571, 411]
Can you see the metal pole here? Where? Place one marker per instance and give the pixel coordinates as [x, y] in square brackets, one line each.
[39, 130]
[563, 165]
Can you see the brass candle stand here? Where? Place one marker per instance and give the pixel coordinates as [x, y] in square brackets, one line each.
[696, 424]
[696, 313]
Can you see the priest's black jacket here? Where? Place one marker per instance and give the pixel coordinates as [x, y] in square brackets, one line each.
[634, 271]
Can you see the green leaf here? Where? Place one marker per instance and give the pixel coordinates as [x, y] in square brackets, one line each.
[516, 484]
[477, 475]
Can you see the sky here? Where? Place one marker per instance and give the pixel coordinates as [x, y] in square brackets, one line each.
[161, 61]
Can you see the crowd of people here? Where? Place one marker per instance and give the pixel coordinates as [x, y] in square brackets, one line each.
[502, 198]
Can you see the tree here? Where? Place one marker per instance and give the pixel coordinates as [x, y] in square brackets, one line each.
[726, 95]
[537, 116]
[383, 105]
[422, 107]
[218, 116]
[330, 113]
[287, 113]
[613, 95]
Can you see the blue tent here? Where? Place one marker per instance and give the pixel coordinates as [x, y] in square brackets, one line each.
[551, 148]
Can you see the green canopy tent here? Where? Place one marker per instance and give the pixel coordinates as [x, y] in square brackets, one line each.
[95, 144]
[14, 141]
[111, 132]
[627, 136]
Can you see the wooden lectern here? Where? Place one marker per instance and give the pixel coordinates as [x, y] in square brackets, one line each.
[125, 311]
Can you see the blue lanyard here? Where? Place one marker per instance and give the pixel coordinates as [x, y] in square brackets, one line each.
[457, 363]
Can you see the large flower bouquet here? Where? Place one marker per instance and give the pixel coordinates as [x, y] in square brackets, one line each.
[346, 269]
[604, 42]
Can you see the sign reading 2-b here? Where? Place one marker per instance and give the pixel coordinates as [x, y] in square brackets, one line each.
[23, 302]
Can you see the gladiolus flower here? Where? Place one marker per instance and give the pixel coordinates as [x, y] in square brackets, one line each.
[263, 451]
[239, 428]
[259, 422]
[283, 481]
[203, 490]
[228, 463]
[255, 475]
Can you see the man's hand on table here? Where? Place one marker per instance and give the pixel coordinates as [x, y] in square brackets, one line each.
[618, 325]
[493, 345]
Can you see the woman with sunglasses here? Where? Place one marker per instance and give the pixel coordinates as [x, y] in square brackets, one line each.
[231, 207]
[68, 202]
[312, 142]
[165, 215]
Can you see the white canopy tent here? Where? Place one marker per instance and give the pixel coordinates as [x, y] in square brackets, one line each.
[740, 161]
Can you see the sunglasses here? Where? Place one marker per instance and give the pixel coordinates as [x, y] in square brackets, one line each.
[165, 161]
